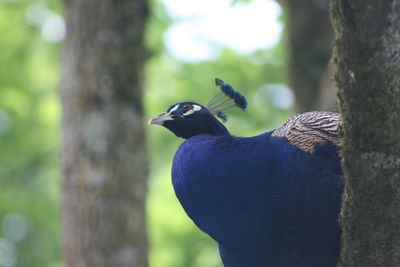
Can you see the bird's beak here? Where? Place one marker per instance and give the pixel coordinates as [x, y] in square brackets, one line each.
[161, 118]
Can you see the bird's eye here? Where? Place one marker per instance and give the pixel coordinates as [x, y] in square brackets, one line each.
[186, 107]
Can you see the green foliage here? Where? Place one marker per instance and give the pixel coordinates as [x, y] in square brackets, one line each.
[29, 114]
[29, 122]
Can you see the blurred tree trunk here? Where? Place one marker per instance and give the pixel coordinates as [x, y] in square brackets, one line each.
[103, 147]
[368, 70]
[310, 48]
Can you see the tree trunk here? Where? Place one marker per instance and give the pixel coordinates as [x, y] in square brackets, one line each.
[310, 48]
[368, 70]
[103, 146]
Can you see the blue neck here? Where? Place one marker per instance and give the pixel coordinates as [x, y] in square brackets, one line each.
[215, 127]
[201, 124]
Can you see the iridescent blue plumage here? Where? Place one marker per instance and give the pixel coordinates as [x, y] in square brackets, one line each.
[268, 200]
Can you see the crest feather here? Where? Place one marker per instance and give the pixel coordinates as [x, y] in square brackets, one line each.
[226, 99]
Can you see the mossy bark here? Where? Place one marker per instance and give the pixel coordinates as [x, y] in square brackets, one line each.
[310, 48]
[367, 58]
[103, 149]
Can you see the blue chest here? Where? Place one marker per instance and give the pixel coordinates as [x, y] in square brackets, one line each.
[264, 201]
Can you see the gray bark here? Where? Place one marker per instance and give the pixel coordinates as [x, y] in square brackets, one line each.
[310, 48]
[103, 151]
[368, 70]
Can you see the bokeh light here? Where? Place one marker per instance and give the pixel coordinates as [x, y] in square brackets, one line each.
[201, 28]
[15, 227]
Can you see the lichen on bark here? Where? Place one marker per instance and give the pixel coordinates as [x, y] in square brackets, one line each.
[367, 58]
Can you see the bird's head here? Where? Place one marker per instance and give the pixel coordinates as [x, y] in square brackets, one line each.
[187, 119]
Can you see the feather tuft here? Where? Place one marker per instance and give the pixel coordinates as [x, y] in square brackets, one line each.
[219, 82]
[226, 99]
[239, 99]
[222, 116]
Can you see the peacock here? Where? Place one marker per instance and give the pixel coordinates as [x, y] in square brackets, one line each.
[269, 200]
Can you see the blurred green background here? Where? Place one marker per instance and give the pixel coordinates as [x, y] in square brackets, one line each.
[31, 33]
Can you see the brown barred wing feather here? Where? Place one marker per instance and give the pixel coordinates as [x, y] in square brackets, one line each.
[310, 129]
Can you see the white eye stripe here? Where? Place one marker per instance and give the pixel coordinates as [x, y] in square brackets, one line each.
[196, 107]
[188, 112]
[173, 109]
[193, 110]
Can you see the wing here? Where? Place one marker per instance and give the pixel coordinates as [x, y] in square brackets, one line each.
[311, 129]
